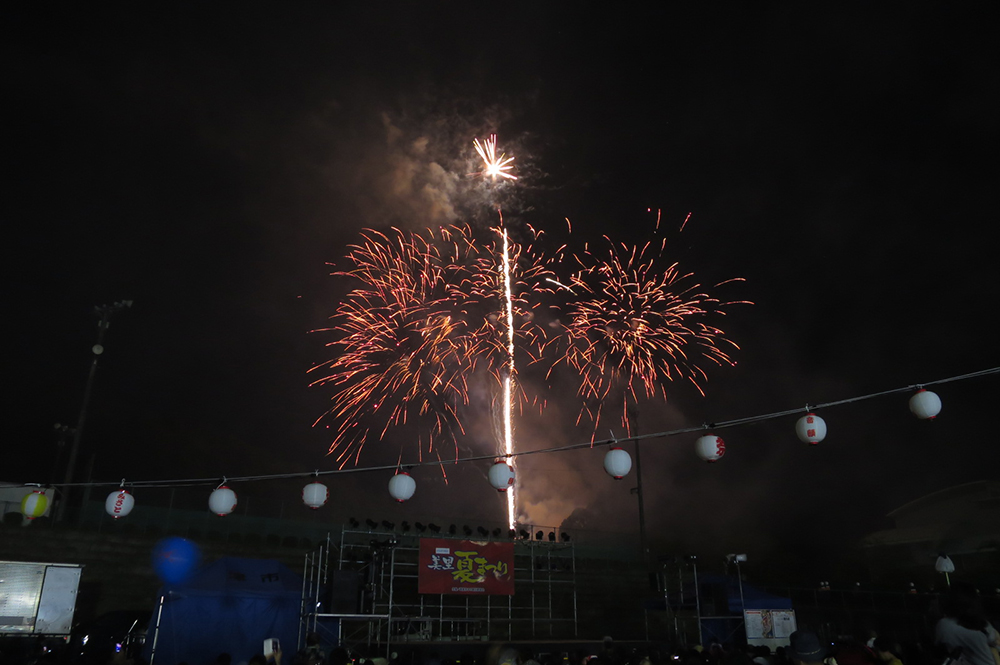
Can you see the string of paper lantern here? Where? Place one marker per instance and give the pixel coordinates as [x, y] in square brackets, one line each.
[501, 475]
[120, 503]
[402, 486]
[315, 494]
[710, 448]
[809, 428]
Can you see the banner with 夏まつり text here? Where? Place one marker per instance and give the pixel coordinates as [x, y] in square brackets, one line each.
[465, 567]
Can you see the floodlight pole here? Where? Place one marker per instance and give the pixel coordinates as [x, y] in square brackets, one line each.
[104, 312]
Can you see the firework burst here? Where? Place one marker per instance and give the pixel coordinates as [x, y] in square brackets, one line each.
[637, 326]
[494, 167]
[419, 324]
[402, 349]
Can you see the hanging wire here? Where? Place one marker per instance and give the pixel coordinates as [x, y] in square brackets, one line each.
[736, 422]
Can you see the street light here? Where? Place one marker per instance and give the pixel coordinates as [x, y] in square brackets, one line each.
[738, 559]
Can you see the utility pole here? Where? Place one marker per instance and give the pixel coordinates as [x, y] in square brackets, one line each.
[104, 312]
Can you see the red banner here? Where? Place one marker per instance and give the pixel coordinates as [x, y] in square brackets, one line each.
[465, 566]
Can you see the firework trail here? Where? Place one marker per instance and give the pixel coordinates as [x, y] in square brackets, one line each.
[637, 326]
[508, 398]
[494, 167]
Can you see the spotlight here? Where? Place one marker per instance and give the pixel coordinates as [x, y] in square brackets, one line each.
[496, 532]
[524, 534]
[512, 534]
[434, 527]
[388, 525]
[405, 526]
[482, 532]
[552, 536]
[354, 523]
[420, 527]
[467, 530]
[564, 537]
[452, 529]
[372, 524]
[539, 535]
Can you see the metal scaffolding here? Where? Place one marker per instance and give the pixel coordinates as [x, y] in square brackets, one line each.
[365, 591]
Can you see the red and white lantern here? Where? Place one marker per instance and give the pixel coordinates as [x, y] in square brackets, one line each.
[315, 495]
[501, 476]
[811, 429]
[617, 463]
[402, 486]
[119, 504]
[925, 405]
[710, 447]
[222, 501]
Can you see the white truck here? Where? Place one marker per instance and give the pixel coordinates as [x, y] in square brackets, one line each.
[38, 598]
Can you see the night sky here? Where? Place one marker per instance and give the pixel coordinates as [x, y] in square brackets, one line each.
[208, 163]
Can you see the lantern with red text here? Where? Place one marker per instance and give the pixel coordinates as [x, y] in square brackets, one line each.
[119, 504]
[811, 429]
[402, 486]
[222, 501]
[925, 405]
[710, 447]
[315, 495]
[501, 475]
[617, 463]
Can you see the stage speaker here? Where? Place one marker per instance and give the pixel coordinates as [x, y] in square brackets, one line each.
[344, 592]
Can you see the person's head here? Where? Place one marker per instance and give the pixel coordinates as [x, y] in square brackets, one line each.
[804, 647]
[964, 605]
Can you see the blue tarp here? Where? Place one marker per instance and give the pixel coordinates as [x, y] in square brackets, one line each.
[230, 606]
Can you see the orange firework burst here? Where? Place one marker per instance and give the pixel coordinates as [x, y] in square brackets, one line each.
[638, 326]
[494, 166]
[402, 350]
[412, 333]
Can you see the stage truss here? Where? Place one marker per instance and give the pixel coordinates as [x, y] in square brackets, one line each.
[362, 590]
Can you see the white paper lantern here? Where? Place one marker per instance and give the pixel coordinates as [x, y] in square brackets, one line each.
[944, 564]
[35, 504]
[501, 476]
[617, 463]
[119, 504]
[811, 428]
[315, 495]
[925, 405]
[222, 501]
[402, 486]
[710, 447]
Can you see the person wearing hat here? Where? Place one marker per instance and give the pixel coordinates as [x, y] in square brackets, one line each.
[804, 648]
